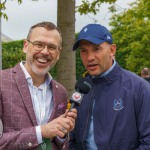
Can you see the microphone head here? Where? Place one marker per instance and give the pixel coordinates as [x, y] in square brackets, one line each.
[83, 85]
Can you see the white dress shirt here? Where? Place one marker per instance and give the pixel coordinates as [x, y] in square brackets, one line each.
[41, 100]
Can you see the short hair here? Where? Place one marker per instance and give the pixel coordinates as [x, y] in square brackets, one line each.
[145, 72]
[47, 25]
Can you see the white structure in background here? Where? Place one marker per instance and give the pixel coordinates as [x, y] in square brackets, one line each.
[5, 38]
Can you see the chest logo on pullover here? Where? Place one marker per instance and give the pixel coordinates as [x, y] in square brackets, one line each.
[118, 104]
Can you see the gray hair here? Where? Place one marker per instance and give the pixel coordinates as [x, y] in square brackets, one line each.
[47, 25]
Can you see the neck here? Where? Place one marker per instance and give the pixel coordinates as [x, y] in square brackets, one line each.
[38, 80]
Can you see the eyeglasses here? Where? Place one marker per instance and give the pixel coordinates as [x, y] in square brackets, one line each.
[39, 46]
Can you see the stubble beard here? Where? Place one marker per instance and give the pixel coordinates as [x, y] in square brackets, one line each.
[38, 71]
[35, 69]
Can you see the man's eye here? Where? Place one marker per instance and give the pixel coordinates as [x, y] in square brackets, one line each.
[38, 45]
[82, 50]
[52, 47]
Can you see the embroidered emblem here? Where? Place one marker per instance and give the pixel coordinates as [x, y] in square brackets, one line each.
[118, 104]
[85, 29]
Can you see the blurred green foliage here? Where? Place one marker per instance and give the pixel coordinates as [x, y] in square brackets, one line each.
[131, 34]
[12, 53]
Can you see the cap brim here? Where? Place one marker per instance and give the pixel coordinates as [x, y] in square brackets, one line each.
[91, 39]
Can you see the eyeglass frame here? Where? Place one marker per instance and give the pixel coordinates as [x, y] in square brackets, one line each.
[50, 49]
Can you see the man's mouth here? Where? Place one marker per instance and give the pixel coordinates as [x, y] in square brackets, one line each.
[42, 60]
[92, 66]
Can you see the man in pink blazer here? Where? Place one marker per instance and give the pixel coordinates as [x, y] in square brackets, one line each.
[32, 104]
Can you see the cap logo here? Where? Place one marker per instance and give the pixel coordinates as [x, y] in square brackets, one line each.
[85, 29]
[108, 37]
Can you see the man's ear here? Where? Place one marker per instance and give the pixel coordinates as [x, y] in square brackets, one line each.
[25, 46]
[59, 53]
[113, 50]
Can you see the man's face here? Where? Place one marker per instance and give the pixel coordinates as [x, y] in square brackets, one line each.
[40, 62]
[96, 58]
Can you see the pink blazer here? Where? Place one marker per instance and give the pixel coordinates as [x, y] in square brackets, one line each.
[17, 114]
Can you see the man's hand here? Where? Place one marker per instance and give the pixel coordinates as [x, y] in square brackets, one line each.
[60, 126]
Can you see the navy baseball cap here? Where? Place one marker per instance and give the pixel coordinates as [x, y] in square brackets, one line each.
[94, 33]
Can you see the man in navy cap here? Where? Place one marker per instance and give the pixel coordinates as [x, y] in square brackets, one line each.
[114, 115]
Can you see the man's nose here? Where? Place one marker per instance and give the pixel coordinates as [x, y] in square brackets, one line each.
[45, 49]
[90, 56]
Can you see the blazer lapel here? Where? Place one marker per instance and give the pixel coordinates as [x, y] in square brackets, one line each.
[54, 87]
[24, 91]
[59, 105]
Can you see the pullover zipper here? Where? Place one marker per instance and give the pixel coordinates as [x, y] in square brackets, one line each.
[89, 115]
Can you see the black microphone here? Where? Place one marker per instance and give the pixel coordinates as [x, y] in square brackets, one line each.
[82, 86]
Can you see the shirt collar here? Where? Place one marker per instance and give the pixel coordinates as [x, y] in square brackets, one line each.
[109, 70]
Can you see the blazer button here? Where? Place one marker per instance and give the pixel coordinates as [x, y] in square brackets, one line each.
[29, 144]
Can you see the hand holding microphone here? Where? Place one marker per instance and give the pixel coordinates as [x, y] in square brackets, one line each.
[83, 86]
[65, 123]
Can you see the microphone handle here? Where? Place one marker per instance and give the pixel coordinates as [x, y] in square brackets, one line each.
[72, 106]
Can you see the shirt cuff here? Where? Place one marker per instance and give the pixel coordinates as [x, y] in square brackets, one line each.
[38, 134]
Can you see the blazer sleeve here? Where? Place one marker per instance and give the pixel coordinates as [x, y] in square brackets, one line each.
[14, 137]
[16, 140]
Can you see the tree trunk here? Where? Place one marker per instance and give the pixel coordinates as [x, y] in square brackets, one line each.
[66, 70]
